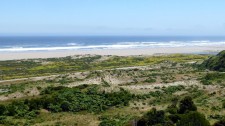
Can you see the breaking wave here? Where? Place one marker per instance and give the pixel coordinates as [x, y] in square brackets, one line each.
[118, 45]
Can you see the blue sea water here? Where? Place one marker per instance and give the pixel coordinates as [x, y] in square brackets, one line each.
[50, 43]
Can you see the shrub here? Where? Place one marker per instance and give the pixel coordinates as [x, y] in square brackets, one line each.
[150, 80]
[2, 109]
[173, 89]
[187, 105]
[212, 78]
[17, 108]
[220, 123]
[117, 120]
[174, 118]
[193, 119]
[153, 117]
[223, 105]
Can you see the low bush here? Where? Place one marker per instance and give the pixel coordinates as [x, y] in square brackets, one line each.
[57, 99]
[193, 119]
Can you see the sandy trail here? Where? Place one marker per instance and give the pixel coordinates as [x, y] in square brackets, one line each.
[12, 81]
[53, 76]
[152, 86]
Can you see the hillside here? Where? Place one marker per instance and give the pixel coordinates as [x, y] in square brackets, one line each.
[216, 63]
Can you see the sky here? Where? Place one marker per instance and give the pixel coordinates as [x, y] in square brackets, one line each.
[113, 17]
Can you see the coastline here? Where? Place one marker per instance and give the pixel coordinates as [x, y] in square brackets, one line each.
[118, 52]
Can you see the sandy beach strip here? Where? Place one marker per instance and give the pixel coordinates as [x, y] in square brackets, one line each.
[119, 52]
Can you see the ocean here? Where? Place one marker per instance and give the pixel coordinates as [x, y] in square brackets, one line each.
[52, 43]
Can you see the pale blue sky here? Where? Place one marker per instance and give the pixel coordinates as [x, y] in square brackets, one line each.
[112, 17]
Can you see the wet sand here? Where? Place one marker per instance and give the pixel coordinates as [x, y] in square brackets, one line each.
[119, 52]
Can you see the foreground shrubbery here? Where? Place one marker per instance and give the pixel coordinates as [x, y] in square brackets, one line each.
[185, 115]
[63, 99]
[220, 123]
[74, 99]
[88, 98]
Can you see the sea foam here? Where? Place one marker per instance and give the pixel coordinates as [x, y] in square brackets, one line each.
[118, 45]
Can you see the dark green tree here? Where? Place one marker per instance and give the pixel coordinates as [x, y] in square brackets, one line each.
[142, 122]
[172, 109]
[65, 106]
[193, 119]
[153, 117]
[17, 108]
[2, 110]
[220, 123]
[187, 105]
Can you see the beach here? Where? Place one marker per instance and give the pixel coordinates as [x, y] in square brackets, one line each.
[119, 52]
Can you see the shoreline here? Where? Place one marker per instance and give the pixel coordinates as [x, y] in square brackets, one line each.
[118, 52]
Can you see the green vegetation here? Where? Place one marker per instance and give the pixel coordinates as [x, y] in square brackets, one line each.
[167, 90]
[213, 78]
[186, 105]
[186, 116]
[193, 119]
[59, 99]
[150, 80]
[220, 123]
[173, 89]
[118, 120]
[153, 117]
[216, 63]
[43, 67]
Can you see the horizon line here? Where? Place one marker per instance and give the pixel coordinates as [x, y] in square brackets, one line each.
[91, 35]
